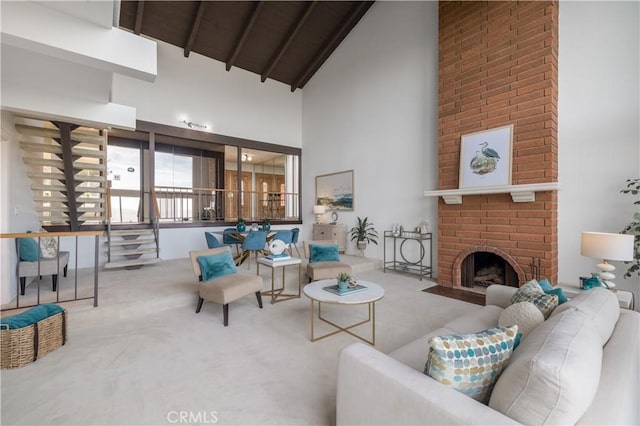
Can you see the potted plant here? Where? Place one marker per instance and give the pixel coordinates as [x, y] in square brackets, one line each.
[633, 228]
[241, 227]
[364, 233]
[345, 281]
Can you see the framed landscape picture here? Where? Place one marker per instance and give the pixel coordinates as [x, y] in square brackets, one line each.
[485, 158]
[335, 190]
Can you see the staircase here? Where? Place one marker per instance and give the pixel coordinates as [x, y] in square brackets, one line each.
[130, 248]
[67, 168]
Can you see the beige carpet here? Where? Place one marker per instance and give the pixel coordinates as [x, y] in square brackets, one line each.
[144, 357]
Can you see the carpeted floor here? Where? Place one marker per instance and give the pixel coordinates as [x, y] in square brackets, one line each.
[144, 357]
[454, 293]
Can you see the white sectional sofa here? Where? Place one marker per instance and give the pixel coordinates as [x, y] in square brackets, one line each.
[581, 365]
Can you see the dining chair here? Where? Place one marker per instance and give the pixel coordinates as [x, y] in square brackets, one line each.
[229, 238]
[295, 233]
[212, 241]
[254, 241]
[284, 235]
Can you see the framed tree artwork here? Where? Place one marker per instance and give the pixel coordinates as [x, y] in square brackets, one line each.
[485, 158]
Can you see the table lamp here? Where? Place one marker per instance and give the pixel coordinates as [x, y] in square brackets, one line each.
[319, 211]
[607, 247]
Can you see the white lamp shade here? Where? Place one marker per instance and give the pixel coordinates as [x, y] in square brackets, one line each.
[319, 209]
[601, 245]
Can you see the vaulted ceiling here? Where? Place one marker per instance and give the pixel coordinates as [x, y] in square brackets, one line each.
[287, 41]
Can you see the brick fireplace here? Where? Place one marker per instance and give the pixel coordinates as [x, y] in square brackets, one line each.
[498, 66]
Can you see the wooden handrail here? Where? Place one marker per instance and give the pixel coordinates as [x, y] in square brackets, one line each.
[52, 234]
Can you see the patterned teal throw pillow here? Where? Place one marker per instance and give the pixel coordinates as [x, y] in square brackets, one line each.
[532, 292]
[471, 363]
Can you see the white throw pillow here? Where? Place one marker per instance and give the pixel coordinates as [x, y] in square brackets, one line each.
[523, 314]
[48, 245]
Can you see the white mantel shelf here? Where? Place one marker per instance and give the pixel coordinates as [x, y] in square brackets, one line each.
[519, 193]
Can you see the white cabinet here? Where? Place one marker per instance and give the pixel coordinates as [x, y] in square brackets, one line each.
[325, 231]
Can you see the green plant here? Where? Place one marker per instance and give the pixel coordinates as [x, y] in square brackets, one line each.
[343, 276]
[633, 228]
[265, 220]
[240, 220]
[364, 231]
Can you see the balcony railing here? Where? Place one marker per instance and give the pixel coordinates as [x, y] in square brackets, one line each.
[178, 204]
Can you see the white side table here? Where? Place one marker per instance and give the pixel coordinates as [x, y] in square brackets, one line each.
[625, 298]
[277, 294]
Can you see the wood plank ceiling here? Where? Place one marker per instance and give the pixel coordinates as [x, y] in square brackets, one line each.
[287, 41]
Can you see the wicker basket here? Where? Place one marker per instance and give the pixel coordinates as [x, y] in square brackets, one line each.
[22, 346]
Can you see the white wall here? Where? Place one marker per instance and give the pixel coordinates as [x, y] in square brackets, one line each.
[372, 107]
[598, 131]
[233, 103]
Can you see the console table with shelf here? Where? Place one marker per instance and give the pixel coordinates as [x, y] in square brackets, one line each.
[421, 267]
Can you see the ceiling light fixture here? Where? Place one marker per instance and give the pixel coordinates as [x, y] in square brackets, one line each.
[247, 157]
[191, 124]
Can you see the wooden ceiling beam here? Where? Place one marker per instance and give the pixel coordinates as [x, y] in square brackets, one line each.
[347, 24]
[195, 26]
[137, 29]
[245, 32]
[291, 35]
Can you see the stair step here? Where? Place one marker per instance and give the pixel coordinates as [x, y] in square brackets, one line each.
[62, 199]
[121, 232]
[40, 147]
[79, 136]
[44, 187]
[93, 153]
[132, 262]
[89, 178]
[136, 242]
[57, 209]
[89, 200]
[46, 175]
[59, 164]
[125, 252]
[53, 219]
[90, 209]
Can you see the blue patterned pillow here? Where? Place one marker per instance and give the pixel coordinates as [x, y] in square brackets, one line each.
[323, 253]
[216, 265]
[471, 363]
[532, 292]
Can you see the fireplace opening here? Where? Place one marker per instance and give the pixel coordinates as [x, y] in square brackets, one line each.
[482, 269]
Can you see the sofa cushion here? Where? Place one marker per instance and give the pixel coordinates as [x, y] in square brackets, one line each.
[553, 376]
[532, 292]
[412, 354]
[601, 308]
[523, 314]
[471, 363]
[479, 319]
[216, 265]
[48, 245]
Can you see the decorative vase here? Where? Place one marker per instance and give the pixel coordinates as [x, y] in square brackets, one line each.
[241, 227]
[592, 282]
[254, 227]
[266, 226]
[362, 245]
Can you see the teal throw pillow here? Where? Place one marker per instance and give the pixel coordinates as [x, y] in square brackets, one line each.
[28, 249]
[216, 265]
[212, 241]
[31, 316]
[471, 363]
[323, 253]
[532, 292]
[549, 289]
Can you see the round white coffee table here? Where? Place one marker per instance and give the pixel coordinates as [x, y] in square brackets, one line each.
[316, 292]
